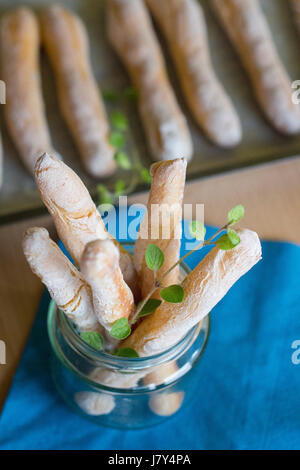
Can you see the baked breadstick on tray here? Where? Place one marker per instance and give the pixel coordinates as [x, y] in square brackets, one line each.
[74, 213]
[66, 42]
[249, 33]
[24, 108]
[161, 225]
[184, 26]
[112, 298]
[204, 287]
[64, 282]
[131, 34]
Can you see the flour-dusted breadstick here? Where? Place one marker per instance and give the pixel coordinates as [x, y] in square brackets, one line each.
[183, 24]
[164, 403]
[161, 225]
[132, 36]
[66, 41]
[75, 215]
[248, 30]
[112, 297]
[24, 108]
[204, 287]
[95, 404]
[64, 282]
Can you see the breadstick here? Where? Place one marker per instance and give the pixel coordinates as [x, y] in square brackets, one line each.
[95, 404]
[64, 283]
[183, 24]
[204, 287]
[24, 109]
[162, 223]
[75, 215]
[112, 298]
[66, 42]
[164, 404]
[132, 36]
[248, 30]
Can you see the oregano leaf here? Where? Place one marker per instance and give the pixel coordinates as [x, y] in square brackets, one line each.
[119, 187]
[120, 329]
[126, 352]
[145, 175]
[116, 139]
[104, 195]
[154, 257]
[122, 160]
[119, 120]
[233, 236]
[93, 339]
[149, 307]
[197, 229]
[110, 95]
[236, 214]
[224, 242]
[173, 294]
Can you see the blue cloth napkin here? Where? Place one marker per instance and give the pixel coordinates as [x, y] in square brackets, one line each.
[249, 387]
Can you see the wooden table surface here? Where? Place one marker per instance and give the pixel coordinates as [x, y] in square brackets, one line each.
[270, 194]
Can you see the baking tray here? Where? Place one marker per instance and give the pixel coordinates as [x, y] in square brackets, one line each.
[18, 195]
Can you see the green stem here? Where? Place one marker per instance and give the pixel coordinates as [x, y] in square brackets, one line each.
[158, 282]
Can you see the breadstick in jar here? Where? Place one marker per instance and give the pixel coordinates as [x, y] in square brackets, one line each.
[24, 108]
[184, 26]
[74, 213]
[64, 282]
[112, 298]
[66, 42]
[245, 24]
[131, 34]
[161, 225]
[204, 287]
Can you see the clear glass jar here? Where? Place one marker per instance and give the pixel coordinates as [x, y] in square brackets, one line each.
[119, 392]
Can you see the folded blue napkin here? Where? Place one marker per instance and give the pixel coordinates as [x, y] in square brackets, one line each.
[249, 380]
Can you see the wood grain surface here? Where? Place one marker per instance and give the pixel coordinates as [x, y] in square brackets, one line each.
[270, 194]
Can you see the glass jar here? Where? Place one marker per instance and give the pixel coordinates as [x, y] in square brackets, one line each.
[126, 393]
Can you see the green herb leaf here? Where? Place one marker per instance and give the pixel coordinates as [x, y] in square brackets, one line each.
[110, 95]
[93, 339]
[154, 257]
[119, 120]
[236, 214]
[116, 139]
[145, 175]
[149, 307]
[120, 329]
[233, 236]
[126, 352]
[172, 294]
[131, 93]
[104, 195]
[122, 160]
[225, 243]
[197, 230]
[119, 187]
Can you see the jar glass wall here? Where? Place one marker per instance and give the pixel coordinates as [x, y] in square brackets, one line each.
[122, 392]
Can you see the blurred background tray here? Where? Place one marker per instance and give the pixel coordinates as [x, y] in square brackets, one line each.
[18, 195]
